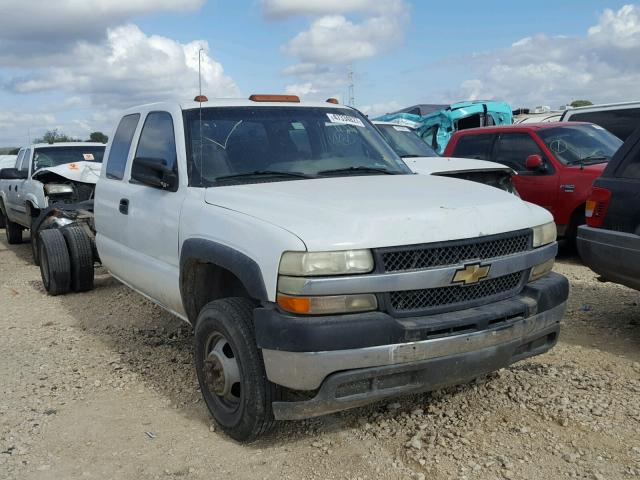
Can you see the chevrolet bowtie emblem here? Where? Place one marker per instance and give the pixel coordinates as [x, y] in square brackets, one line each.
[471, 274]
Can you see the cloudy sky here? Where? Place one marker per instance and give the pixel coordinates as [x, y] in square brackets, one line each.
[74, 65]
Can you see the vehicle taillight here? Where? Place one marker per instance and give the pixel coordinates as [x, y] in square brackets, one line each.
[597, 206]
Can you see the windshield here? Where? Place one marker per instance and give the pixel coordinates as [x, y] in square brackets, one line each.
[234, 145]
[575, 144]
[405, 141]
[46, 157]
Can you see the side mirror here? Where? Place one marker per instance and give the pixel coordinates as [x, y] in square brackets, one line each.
[535, 162]
[12, 174]
[154, 173]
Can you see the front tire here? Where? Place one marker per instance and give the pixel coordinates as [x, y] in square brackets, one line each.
[231, 371]
[35, 246]
[13, 231]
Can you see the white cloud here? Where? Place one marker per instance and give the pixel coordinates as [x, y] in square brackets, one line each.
[286, 8]
[130, 67]
[35, 20]
[301, 89]
[378, 109]
[332, 41]
[603, 65]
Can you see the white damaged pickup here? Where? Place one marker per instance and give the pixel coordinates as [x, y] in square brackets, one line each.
[45, 175]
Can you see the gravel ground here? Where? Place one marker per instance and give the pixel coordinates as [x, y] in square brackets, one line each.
[101, 385]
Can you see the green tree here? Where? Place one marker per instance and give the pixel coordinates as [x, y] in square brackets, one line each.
[581, 103]
[14, 151]
[54, 136]
[98, 137]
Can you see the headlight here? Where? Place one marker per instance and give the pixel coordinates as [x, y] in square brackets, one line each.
[328, 304]
[541, 270]
[326, 263]
[58, 189]
[544, 234]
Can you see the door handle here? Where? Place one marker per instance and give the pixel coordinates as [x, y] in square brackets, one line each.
[124, 206]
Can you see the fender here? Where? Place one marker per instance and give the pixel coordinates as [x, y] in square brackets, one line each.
[243, 267]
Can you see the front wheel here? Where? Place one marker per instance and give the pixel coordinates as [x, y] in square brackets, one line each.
[230, 369]
[13, 231]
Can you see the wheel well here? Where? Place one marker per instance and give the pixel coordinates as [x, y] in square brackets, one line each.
[578, 214]
[203, 282]
[32, 209]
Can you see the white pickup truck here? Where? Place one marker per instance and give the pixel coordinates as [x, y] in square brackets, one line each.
[44, 175]
[318, 272]
[422, 159]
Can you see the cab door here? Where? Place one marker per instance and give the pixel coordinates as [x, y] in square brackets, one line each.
[535, 186]
[18, 191]
[11, 193]
[152, 215]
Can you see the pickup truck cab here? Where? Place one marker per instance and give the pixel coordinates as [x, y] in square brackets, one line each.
[610, 241]
[422, 159]
[45, 174]
[319, 273]
[556, 162]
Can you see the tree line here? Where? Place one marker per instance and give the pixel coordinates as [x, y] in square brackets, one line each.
[56, 136]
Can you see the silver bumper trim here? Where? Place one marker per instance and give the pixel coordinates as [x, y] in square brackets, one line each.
[307, 370]
[413, 280]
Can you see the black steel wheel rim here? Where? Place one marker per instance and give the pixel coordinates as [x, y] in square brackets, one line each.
[222, 375]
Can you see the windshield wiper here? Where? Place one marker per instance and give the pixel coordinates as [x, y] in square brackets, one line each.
[265, 173]
[590, 158]
[360, 169]
[597, 158]
[411, 155]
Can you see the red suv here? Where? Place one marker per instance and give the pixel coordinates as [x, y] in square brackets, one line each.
[556, 162]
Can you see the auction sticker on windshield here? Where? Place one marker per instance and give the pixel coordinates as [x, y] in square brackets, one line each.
[88, 156]
[345, 119]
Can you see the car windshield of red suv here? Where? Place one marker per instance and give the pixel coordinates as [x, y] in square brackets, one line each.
[580, 144]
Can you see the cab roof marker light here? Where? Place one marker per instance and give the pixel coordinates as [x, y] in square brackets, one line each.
[274, 98]
[333, 100]
[201, 99]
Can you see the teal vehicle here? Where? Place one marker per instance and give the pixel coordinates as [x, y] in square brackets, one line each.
[436, 123]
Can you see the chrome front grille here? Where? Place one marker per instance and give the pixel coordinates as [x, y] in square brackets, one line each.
[455, 295]
[458, 252]
[418, 257]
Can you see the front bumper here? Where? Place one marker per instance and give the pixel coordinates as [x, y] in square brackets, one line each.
[614, 255]
[362, 367]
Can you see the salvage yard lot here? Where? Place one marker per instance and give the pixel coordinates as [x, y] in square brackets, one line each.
[102, 385]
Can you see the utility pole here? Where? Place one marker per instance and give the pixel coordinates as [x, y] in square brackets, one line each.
[352, 93]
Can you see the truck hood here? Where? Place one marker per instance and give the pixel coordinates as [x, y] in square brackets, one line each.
[431, 165]
[380, 211]
[85, 172]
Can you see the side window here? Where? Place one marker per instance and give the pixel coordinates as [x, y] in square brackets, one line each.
[120, 146]
[474, 146]
[157, 142]
[23, 166]
[19, 159]
[620, 122]
[514, 148]
[631, 166]
[430, 136]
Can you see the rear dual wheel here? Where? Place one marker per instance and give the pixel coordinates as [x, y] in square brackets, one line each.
[66, 260]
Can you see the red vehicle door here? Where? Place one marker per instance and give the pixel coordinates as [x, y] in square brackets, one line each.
[536, 186]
